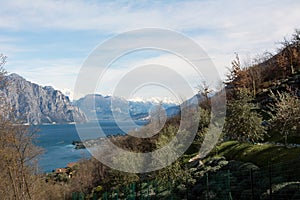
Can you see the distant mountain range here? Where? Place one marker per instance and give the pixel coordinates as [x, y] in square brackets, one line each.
[34, 104]
[98, 107]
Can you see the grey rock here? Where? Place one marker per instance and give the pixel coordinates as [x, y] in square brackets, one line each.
[34, 104]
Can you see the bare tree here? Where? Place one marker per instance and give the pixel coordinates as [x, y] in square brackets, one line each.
[18, 153]
[204, 90]
[285, 114]
[290, 50]
[255, 78]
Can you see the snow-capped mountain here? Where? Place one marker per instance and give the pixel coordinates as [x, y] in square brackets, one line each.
[98, 107]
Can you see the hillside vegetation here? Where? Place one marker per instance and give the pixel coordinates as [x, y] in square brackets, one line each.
[257, 155]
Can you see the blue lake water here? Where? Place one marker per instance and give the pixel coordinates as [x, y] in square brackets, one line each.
[56, 140]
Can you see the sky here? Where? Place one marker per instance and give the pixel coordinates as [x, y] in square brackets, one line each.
[48, 42]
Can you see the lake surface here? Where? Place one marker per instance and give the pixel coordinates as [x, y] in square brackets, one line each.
[57, 141]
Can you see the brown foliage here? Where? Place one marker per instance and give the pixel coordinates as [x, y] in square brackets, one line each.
[267, 69]
[18, 154]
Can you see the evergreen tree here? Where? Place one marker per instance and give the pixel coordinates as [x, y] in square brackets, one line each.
[243, 123]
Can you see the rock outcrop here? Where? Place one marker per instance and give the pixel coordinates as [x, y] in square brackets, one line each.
[34, 104]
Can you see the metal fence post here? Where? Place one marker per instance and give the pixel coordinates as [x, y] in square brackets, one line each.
[170, 189]
[105, 196]
[252, 184]
[148, 189]
[270, 180]
[207, 187]
[74, 196]
[95, 196]
[229, 192]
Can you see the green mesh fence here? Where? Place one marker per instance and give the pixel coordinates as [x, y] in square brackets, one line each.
[275, 181]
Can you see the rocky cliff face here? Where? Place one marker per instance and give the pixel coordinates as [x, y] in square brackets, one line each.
[34, 104]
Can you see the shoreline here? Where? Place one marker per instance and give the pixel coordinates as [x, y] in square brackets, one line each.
[88, 143]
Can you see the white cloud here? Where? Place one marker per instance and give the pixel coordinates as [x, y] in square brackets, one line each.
[59, 73]
[220, 27]
[116, 16]
[162, 75]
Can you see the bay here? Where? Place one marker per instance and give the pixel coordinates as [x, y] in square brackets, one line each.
[56, 140]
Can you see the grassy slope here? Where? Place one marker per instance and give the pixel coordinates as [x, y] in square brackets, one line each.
[257, 154]
[262, 154]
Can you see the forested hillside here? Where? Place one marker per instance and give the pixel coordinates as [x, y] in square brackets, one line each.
[256, 157]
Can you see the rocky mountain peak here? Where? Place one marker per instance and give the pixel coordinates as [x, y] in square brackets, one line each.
[35, 104]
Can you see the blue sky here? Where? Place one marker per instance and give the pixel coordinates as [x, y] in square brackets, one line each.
[47, 41]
